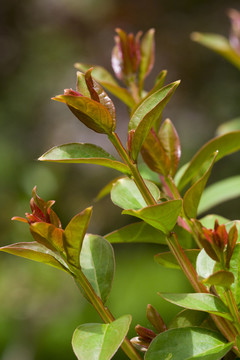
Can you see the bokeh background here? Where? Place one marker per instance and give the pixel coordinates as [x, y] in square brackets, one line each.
[40, 40]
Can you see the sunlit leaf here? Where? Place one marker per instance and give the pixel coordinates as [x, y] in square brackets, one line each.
[168, 260]
[225, 145]
[162, 216]
[186, 318]
[188, 343]
[100, 341]
[98, 264]
[199, 301]
[205, 265]
[80, 153]
[221, 278]
[48, 235]
[126, 194]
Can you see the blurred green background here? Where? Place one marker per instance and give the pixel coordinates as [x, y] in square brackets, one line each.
[40, 40]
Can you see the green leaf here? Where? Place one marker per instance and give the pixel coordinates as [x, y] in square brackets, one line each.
[74, 235]
[90, 112]
[221, 278]
[200, 301]
[204, 265]
[190, 343]
[147, 56]
[219, 192]
[162, 216]
[228, 126]
[186, 318]
[168, 260]
[126, 194]
[98, 264]
[219, 44]
[229, 224]
[37, 252]
[80, 153]
[100, 341]
[208, 221]
[225, 145]
[102, 76]
[106, 189]
[147, 113]
[148, 174]
[141, 232]
[48, 235]
[193, 195]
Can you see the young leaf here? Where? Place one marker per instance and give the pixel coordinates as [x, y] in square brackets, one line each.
[204, 265]
[200, 301]
[98, 264]
[225, 145]
[219, 192]
[221, 278]
[80, 153]
[193, 195]
[74, 235]
[147, 113]
[162, 216]
[186, 318]
[37, 252]
[90, 112]
[100, 341]
[188, 343]
[147, 56]
[48, 235]
[168, 260]
[144, 233]
[126, 194]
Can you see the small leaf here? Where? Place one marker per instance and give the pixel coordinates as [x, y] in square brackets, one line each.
[219, 192]
[144, 233]
[162, 216]
[225, 145]
[147, 113]
[37, 252]
[155, 319]
[48, 235]
[221, 278]
[100, 341]
[168, 260]
[147, 56]
[188, 344]
[80, 153]
[186, 318]
[205, 265]
[193, 195]
[219, 44]
[200, 301]
[126, 194]
[98, 264]
[90, 112]
[74, 235]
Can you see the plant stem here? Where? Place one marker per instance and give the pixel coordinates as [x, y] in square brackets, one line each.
[233, 308]
[103, 311]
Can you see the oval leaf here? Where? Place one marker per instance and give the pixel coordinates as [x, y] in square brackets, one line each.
[205, 265]
[200, 301]
[225, 145]
[98, 264]
[168, 260]
[126, 194]
[80, 153]
[162, 216]
[186, 318]
[221, 278]
[100, 341]
[147, 48]
[187, 344]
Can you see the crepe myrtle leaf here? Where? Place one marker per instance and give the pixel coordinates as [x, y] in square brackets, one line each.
[49, 236]
[221, 278]
[186, 318]
[147, 49]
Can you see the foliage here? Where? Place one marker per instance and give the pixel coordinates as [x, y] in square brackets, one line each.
[206, 250]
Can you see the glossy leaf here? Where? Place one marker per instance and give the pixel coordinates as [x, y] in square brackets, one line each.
[48, 235]
[188, 343]
[228, 126]
[37, 252]
[80, 153]
[147, 48]
[204, 265]
[170, 141]
[168, 260]
[147, 113]
[100, 341]
[141, 232]
[186, 318]
[102, 76]
[74, 235]
[200, 301]
[126, 194]
[162, 216]
[193, 195]
[219, 192]
[98, 264]
[221, 278]
[219, 44]
[90, 112]
[225, 145]
[208, 221]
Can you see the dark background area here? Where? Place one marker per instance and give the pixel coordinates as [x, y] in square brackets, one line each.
[40, 40]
